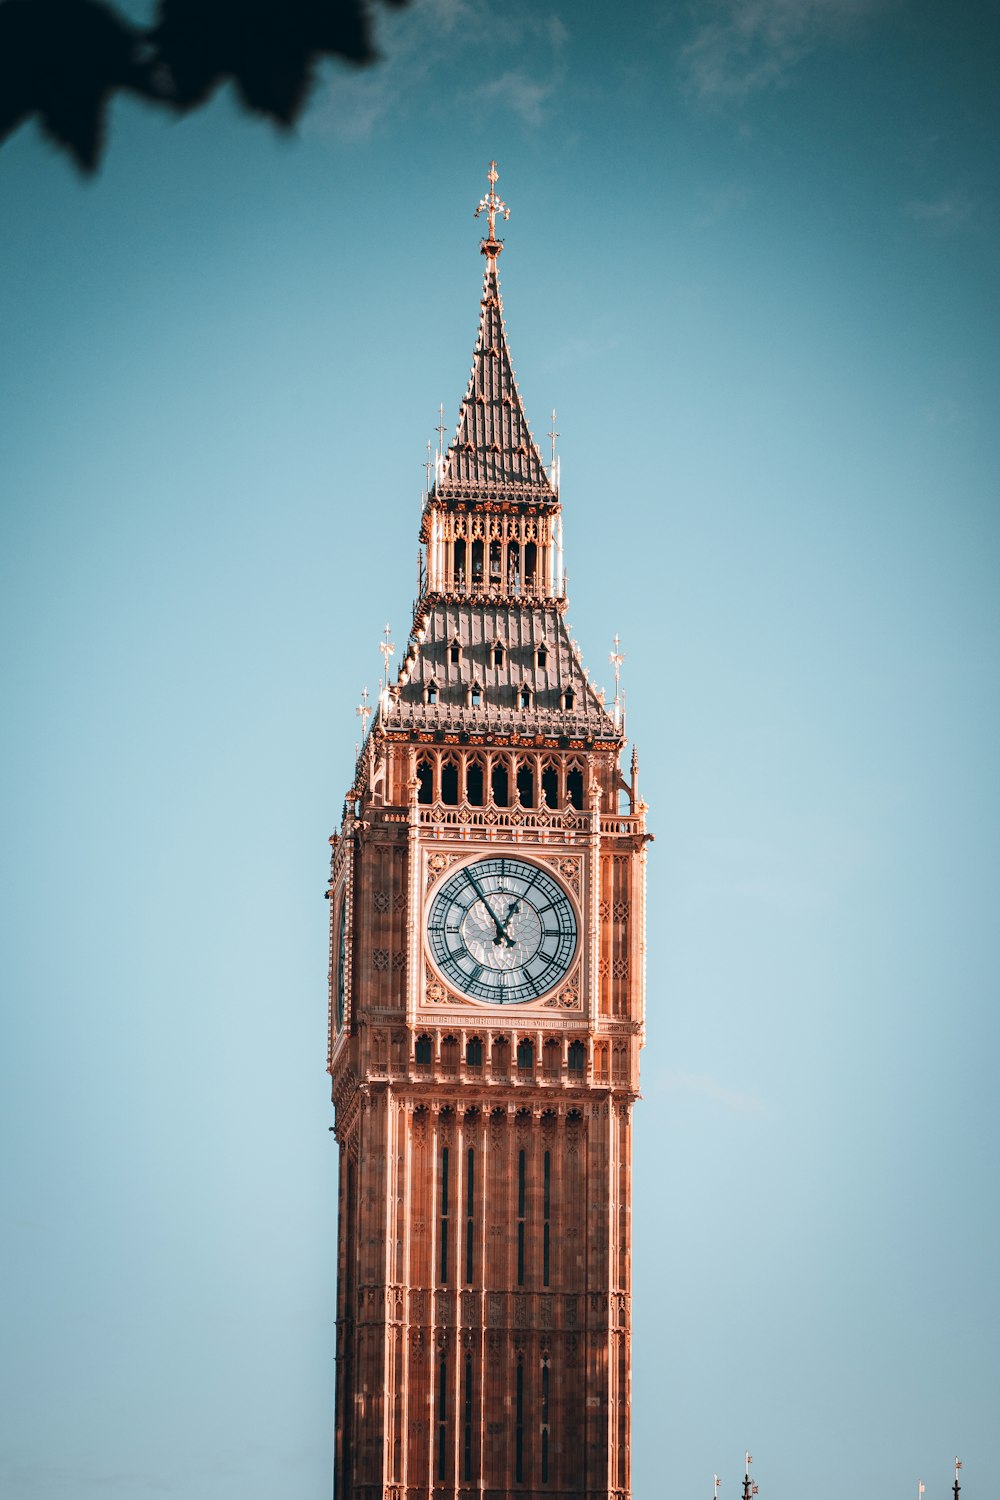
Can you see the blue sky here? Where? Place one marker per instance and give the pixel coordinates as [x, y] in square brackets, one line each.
[751, 261]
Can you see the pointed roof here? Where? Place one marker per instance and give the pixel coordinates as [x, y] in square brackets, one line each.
[493, 454]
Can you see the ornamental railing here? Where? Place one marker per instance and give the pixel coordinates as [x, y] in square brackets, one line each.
[568, 819]
[624, 825]
[538, 819]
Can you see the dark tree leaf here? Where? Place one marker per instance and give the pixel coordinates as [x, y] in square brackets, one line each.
[62, 59]
[269, 48]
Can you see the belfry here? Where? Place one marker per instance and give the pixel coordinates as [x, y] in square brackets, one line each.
[486, 1007]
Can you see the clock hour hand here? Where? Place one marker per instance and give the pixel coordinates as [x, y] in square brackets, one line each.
[502, 932]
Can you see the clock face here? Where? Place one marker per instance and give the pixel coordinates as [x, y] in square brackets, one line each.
[341, 963]
[502, 931]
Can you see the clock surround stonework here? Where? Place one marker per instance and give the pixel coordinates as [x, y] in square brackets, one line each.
[484, 1242]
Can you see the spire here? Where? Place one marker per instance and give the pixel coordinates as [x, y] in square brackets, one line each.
[493, 455]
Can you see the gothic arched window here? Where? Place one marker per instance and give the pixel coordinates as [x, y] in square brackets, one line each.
[550, 784]
[500, 784]
[422, 1052]
[474, 780]
[530, 564]
[449, 782]
[425, 778]
[449, 1054]
[513, 567]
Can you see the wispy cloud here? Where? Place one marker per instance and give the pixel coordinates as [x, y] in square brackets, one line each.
[516, 89]
[420, 47]
[734, 1101]
[751, 45]
[723, 201]
[945, 215]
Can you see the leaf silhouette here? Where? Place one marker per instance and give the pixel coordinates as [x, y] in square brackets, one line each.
[269, 48]
[64, 59]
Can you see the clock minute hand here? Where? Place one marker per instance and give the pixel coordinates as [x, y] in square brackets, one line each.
[482, 896]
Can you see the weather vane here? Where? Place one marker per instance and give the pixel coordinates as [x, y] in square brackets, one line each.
[492, 205]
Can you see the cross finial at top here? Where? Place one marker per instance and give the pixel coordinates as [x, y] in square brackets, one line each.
[492, 205]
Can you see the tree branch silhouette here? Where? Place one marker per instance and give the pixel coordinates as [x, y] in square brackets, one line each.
[63, 60]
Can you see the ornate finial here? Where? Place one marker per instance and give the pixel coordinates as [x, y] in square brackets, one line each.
[552, 438]
[493, 205]
[616, 658]
[386, 647]
[364, 712]
[956, 1487]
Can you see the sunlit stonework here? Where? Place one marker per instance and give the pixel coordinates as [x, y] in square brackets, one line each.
[486, 1006]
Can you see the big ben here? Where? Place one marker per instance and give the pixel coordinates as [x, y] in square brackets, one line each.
[486, 1007]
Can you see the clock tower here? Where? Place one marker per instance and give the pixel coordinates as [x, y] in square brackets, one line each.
[486, 1007]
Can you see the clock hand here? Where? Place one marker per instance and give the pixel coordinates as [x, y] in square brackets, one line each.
[482, 896]
[514, 906]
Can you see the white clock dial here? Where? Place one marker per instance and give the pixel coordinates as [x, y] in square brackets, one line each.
[502, 930]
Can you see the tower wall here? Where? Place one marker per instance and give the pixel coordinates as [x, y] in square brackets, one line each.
[486, 1010]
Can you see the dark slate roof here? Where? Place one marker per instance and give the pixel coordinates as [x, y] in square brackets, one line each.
[493, 453]
[477, 628]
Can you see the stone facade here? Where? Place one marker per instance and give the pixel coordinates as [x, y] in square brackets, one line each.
[483, 1305]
